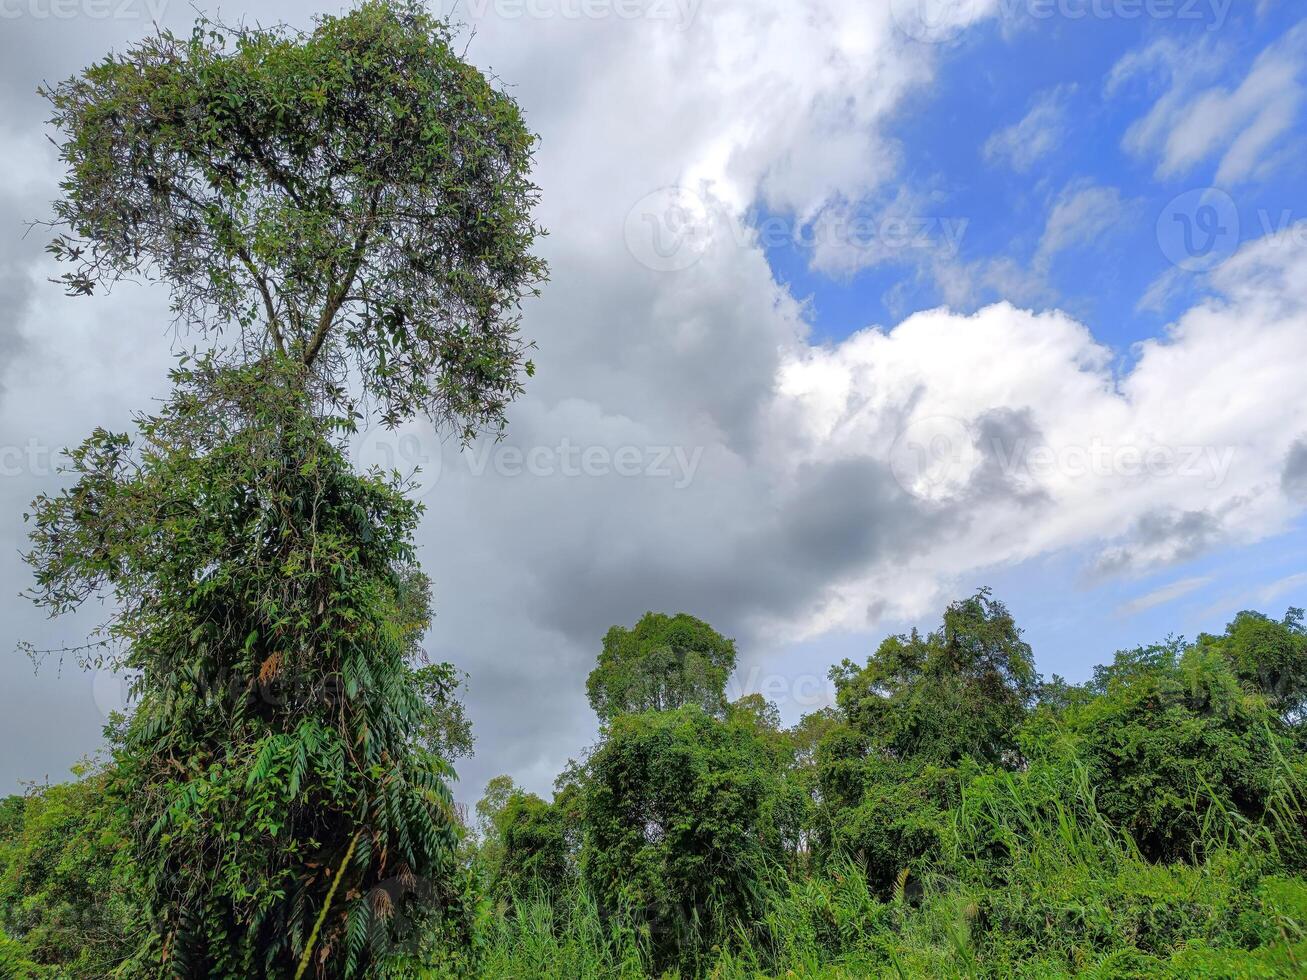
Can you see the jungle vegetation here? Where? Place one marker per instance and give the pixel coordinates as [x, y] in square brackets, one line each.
[343, 220]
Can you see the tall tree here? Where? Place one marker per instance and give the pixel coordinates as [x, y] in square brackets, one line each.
[678, 813]
[662, 662]
[344, 212]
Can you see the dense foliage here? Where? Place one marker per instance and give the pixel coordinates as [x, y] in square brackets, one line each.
[1149, 822]
[953, 815]
[662, 662]
[355, 197]
[68, 882]
[676, 835]
[268, 606]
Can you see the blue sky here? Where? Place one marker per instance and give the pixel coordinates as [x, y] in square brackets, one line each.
[995, 74]
[990, 78]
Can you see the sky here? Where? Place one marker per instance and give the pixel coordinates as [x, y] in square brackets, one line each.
[854, 308]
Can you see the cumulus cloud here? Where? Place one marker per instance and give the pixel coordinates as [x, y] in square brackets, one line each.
[1157, 465]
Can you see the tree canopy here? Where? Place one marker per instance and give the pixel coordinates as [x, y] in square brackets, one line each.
[662, 662]
[960, 690]
[355, 197]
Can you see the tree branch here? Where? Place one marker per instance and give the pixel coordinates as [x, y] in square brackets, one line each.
[261, 281]
[336, 295]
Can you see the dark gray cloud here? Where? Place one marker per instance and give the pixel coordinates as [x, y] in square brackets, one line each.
[1004, 439]
[1293, 478]
[1161, 537]
[772, 561]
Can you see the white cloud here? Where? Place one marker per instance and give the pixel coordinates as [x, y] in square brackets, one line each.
[1035, 136]
[1167, 593]
[1180, 454]
[1195, 119]
[1081, 215]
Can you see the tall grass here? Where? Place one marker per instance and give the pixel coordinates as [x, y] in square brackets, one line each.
[1033, 882]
